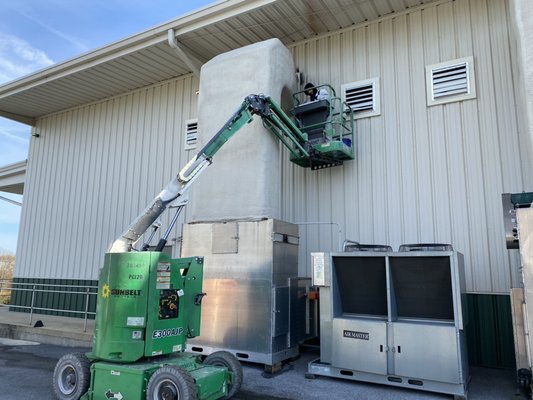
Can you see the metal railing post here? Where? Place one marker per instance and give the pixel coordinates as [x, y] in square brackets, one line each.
[32, 304]
[86, 309]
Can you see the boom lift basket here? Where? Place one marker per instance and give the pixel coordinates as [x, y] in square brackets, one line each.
[329, 129]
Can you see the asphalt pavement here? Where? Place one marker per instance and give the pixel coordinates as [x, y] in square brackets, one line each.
[26, 370]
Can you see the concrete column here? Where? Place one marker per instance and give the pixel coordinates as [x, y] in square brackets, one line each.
[244, 180]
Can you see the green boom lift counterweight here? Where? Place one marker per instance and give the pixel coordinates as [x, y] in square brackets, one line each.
[149, 304]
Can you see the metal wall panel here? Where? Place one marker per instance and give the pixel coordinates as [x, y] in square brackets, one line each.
[490, 331]
[421, 174]
[92, 170]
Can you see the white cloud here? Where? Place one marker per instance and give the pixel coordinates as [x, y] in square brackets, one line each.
[68, 38]
[8, 135]
[18, 58]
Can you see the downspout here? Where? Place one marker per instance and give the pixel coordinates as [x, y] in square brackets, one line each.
[190, 61]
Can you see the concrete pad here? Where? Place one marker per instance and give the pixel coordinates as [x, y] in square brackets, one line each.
[57, 330]
[244, 180]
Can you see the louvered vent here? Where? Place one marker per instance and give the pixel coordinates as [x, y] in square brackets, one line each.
[362, 97]
[191, 134]
[451, 81]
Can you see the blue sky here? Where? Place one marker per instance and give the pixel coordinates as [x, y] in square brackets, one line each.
[35, 34]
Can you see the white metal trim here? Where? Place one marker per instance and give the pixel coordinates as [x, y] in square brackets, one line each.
[432, 99]
[187, 145]
[376, 98]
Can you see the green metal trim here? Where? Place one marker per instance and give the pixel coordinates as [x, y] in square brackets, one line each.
[522, 198]
[284, 119]
[490, 331]
[232, 126]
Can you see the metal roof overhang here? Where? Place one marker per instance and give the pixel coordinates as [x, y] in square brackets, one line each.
[148, 57]
[12, 177]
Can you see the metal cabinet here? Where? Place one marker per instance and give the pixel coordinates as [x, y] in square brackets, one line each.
[395, 318]
[425, 351]
[362, 346]
[256, 305]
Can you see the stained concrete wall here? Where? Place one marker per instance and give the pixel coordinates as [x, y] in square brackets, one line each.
[245, 179]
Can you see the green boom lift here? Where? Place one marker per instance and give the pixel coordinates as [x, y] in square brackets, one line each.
[149, 304]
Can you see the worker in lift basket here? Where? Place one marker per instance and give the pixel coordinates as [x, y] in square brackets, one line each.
[316, 94]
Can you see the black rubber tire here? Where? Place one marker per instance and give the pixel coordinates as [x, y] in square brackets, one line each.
[228, 360]
[171, 383]
[72, 376]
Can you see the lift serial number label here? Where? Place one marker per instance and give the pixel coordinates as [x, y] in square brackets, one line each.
[356, 335]
[163, 333]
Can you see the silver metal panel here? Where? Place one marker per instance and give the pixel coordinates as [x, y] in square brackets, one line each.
[225, 238]
[236, 314]
[326, 324]
[247, 307]
[280, 311]
[426, 351]
[509, 222]
[360, 345]
[303, 313]
[525, 232]
[519, 331]
[317, 367]
[250, 356]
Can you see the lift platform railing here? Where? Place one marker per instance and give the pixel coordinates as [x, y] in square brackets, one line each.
[340, 115]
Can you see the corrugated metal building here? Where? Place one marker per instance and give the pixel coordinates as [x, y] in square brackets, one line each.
[109, 130]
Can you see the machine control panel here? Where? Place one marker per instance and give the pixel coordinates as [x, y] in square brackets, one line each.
[511, 202]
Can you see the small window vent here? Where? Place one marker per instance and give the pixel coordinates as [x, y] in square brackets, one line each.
[191, 134]
[450, 81]
[362, 97]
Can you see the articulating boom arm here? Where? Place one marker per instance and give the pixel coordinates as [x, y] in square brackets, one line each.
[273, 117]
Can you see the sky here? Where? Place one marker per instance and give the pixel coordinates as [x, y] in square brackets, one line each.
[35, 34]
